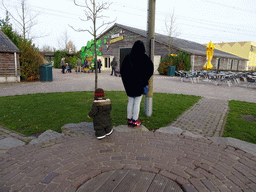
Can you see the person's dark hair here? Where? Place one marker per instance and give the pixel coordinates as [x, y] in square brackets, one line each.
[138, 48]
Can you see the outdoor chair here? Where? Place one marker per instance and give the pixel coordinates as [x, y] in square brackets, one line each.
[213, 77]
[202, 74]
[250, 80]
[238, 76]
[195, 75]
[246, 75]
[227, 78]
[185, 75]
[177, 73]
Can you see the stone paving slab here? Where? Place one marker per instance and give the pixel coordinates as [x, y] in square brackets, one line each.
[5, 133]
[46, 136]
[10, 142]
[246, 146]
[196, 164]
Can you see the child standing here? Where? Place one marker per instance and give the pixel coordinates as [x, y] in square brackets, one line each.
[100, 112]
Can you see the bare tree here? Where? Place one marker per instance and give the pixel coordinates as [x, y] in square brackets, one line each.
[171, 29]
[93, 12]
[71, 48]
[25, 20]
[47, 48]
[63, 41]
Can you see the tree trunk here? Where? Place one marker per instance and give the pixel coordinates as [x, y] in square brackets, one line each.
[23, 19]
[95, 53]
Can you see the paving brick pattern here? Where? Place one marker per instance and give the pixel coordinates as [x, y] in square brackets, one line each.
[195, 164]
[206, 118]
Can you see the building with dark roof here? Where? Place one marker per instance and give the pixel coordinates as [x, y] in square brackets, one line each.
[118, 40]
[9, 60]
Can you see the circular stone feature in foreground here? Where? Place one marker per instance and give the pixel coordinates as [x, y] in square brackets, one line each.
[129, 180]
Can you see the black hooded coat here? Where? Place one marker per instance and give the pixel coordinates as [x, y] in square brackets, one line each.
[136, 70]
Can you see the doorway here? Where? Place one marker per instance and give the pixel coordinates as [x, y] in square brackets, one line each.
[123, 53]
[106, 65]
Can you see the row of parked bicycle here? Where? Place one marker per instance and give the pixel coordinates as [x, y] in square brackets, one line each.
[218, 77]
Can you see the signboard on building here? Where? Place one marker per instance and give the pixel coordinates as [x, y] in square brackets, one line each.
[89, 59]
[114, 36]
[117, 39]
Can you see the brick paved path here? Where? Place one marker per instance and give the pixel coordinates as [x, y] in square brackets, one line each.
[206, 117]
[65, 164]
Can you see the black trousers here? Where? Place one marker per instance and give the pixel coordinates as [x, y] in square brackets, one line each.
[113, 70]
[100, 130]
[63, 69]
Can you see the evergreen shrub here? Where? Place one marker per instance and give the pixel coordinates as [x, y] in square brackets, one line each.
[30, 60]
[57, 58]
[181, 62]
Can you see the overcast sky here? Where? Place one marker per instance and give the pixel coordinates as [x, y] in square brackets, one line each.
[196, 20]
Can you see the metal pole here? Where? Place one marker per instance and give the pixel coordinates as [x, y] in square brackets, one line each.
[150, 52]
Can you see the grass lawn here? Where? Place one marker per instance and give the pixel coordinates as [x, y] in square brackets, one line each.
[237, 127]
[36, 113]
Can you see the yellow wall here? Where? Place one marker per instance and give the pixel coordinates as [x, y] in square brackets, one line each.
[252, 55]
[241, 49]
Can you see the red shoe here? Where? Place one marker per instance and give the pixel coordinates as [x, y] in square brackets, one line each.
[129, 123]
[136, 123]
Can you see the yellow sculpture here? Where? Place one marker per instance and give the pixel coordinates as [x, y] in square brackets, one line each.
[209, 54]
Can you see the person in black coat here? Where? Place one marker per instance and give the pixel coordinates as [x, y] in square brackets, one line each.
[99, 65]
[113, 65]
[136, 70]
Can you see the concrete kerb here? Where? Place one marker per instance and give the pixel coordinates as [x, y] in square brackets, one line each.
[245, 146]
[87, 128]
[224, 122]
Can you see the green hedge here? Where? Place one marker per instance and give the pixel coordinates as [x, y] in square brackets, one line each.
[57, 58]
[181, 62]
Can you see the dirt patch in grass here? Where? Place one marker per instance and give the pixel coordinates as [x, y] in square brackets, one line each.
[249, 118]
[37, 134]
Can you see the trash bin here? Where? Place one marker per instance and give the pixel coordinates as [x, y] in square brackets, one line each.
[45, 73]
[171, 71]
